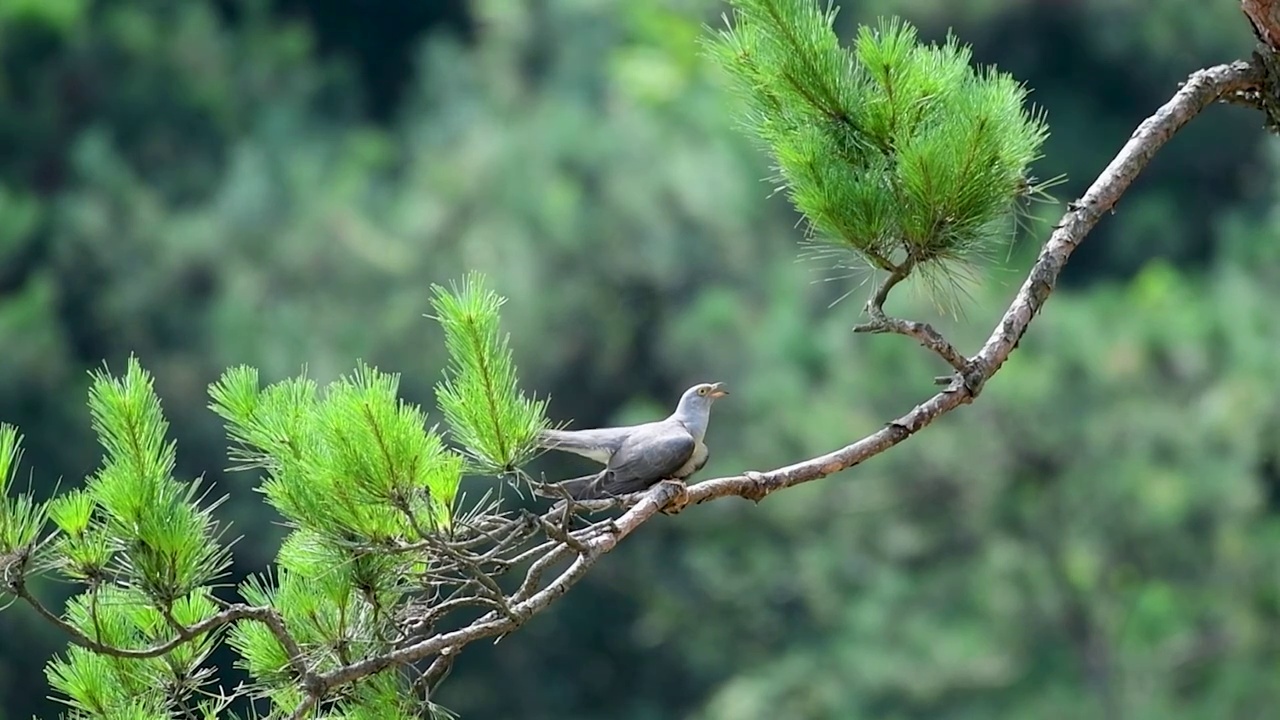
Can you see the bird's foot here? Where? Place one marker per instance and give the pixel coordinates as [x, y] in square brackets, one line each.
[604, 527]
[758, 489]
[680, 501]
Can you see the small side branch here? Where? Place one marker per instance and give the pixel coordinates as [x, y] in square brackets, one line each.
[183, 634]
[437, 671]
[923, 333]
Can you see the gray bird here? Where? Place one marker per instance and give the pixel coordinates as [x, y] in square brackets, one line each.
[639, 456]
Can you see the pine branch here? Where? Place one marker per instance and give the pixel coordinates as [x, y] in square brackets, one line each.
[184, 633]
[889, 148]
[461, 565]
[480, 395]
[921, 332]
[1202, 89]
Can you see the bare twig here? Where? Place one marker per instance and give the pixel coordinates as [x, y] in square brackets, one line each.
[438, 670]
[439, 610]
[561, 532]
[265, 615]
[533, 578]
[533, 552]
[923, 333]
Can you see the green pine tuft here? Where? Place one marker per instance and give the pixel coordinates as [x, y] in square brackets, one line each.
[352, 462]
[480, 395]
[22, 519]
[170, 544]
[902, 153]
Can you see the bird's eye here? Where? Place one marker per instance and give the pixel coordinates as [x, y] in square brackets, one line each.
[702, 391]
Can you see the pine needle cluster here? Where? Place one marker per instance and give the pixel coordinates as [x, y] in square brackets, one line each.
[369, 491]
[146, 547]
[479, 397]
[901, 152]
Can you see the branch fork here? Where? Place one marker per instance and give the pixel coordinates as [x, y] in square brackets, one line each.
[921, 332]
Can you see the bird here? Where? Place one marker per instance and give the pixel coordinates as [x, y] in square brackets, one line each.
[637, 457]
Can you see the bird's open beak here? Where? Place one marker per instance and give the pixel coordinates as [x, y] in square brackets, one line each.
[718, 391]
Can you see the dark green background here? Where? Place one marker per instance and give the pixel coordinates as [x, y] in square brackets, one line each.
[278, 183]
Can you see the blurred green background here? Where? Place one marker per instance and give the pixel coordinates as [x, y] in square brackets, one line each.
[278, 182]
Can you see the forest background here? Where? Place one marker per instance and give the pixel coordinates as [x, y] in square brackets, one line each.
[216, 182]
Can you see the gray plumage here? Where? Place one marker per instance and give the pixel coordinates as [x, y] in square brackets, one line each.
[638, 456]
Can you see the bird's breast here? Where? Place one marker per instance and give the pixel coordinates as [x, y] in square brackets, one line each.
[695, 461]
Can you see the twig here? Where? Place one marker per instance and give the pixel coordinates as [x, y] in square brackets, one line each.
[438, 670]
[304, 707]
[265, 615]
[532, 552]
[533, 577]
[439, 610]
[923, 333]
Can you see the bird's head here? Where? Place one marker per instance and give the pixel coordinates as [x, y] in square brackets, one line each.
[700, 396]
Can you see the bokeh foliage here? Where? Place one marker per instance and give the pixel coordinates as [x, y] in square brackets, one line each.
[207, 188]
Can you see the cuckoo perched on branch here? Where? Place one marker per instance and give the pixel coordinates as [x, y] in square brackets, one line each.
[638, 456]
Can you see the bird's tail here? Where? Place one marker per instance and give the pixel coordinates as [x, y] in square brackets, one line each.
[586, 487]
[548, 438]
[595, 444]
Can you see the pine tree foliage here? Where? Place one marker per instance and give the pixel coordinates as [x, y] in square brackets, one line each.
[479, 396]
[901, 152]
[168, 544]
[147, 550]
[21, 518]
[100, 686]
[353, 461]
[369, 490]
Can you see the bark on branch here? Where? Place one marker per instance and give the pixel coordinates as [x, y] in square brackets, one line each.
[1264, 15]
[183, 633]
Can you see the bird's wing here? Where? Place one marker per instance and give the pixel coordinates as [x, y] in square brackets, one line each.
[649, 454]
[599, 444]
